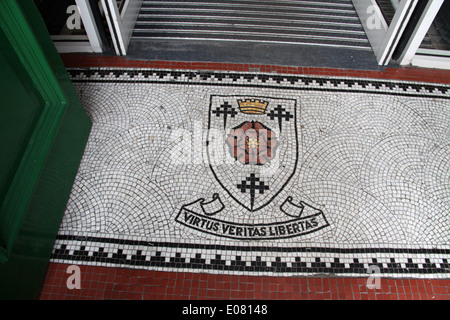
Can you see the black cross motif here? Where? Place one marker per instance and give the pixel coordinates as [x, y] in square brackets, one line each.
[255, 184]
[227, 110]
[280, 114]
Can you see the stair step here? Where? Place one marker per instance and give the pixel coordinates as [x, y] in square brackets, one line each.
[230, 23]
[254, 11]
[252, 16]
[262, 38]
[345, 4]
[263, 30]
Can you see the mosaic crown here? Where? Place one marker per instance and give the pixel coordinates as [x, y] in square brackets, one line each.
[253, 106]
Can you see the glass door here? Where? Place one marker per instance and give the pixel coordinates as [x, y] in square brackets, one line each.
[74, 25]
[384, 22]
[429, 44]
[121, 16]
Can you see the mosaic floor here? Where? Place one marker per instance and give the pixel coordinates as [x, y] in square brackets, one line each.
[260, 174]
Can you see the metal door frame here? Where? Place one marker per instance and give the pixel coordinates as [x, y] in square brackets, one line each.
[383, 38]
[428, 58]
[91, 42]
[121, 23]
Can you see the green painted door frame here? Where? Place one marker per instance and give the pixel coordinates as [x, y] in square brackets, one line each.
[43, 131]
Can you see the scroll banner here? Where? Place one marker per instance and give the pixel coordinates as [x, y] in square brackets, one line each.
[304, 219]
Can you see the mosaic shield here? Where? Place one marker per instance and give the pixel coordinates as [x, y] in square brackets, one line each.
[252, 146]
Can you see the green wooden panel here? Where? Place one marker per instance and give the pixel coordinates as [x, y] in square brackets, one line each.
[19, 112]
[19, 43]
[52, 134]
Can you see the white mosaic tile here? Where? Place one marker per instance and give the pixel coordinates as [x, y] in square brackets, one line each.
[260, 174]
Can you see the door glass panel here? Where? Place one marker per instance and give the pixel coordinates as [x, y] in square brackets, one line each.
[62, 19]
[438, 35]
[121, 16]
[388, 8]
[120, 5]
[384, 22]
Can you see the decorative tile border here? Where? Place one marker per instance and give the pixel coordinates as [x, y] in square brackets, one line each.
[254, 259]
[276, 81]
[403, 74]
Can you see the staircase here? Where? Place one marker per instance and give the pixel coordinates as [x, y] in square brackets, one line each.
[332, 23]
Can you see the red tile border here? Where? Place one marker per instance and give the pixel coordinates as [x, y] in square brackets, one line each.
[104, 283]
[76, 60]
